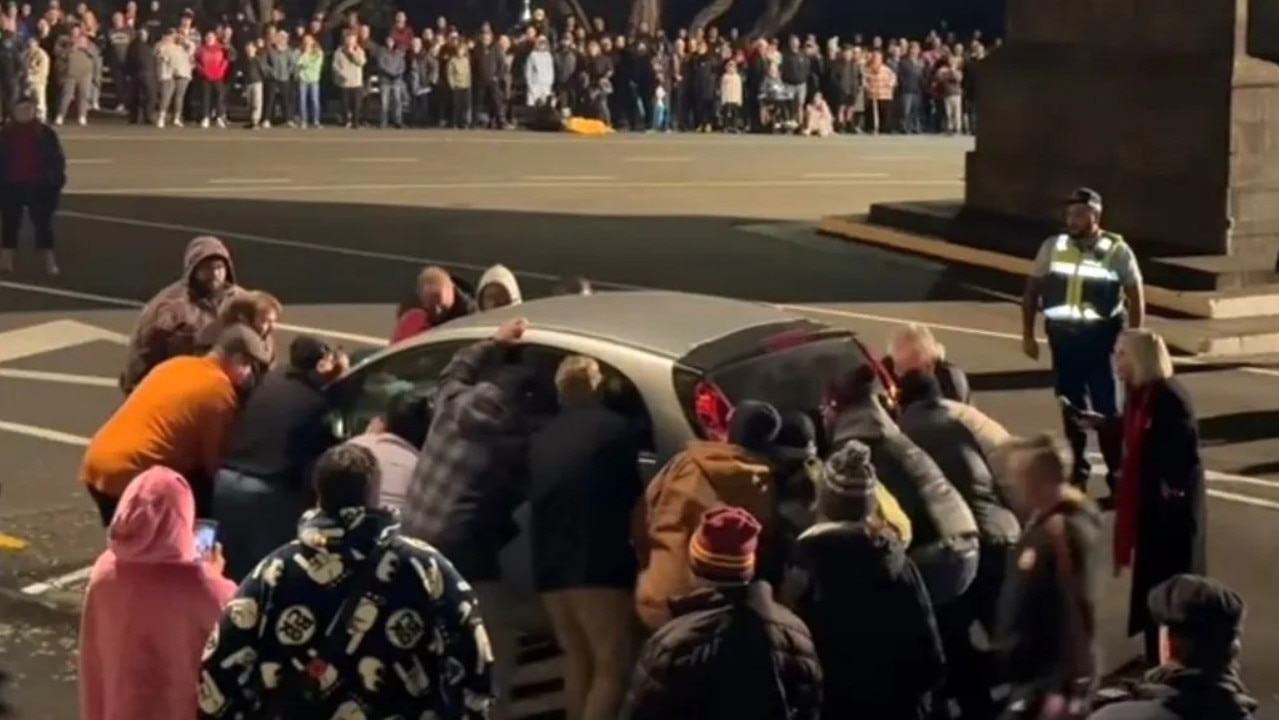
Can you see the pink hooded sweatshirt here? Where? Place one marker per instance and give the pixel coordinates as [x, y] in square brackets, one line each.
[150, 607]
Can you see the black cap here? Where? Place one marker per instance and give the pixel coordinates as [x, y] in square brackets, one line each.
[306, 352]
[1085, 196]
[1198, 607]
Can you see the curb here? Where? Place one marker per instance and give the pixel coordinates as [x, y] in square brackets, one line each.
[1194, 304]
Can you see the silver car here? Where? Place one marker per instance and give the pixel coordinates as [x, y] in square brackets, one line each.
[674, 364]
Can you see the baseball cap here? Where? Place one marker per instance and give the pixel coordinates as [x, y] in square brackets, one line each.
[1085, 196]
[243, 340]
[1197, 607]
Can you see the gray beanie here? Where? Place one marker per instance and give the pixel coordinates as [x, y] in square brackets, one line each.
[847, 493]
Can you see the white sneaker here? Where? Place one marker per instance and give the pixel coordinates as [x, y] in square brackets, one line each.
[83, 121]
[6, 261]
[221, 122]
[51, 264]
[177, 121]
[204, 123]
[266, 124]
[159, 122]
[58, 120]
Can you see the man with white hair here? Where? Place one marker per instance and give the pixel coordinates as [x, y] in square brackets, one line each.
[912, 347]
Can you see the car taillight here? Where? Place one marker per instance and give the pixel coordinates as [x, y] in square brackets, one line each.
[712, 410]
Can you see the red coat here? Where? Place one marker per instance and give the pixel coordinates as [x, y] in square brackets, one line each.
[212, 62]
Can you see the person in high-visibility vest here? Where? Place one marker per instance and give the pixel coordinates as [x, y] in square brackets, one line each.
[1088, 285]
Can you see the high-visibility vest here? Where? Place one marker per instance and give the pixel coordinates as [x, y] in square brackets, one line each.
[1083, 286]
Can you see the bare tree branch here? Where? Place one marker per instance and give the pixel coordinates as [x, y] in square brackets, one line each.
[771, 10]
[250, 12]
[785, 17]
[654, 15]
[574, 8]
[775, 17]
[711, 13]
[335, 13]
[264, 8]
[639, 9]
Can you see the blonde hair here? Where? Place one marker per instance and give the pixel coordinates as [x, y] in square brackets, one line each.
[433, 273]
[1147, 356]
[578, 377]
[1046, 456]
[921, 337]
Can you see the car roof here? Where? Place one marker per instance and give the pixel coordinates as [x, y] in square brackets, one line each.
[670, 324]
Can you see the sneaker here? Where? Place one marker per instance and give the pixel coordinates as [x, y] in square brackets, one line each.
[177, 121]
[58, 120]
[204, 123]
[221, 122]
[159, 122]
[51, 264]
[266, 124]
[83, 121]
[6, 261]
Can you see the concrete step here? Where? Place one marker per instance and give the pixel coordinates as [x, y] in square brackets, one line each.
[1209, 324]
[1212, 272]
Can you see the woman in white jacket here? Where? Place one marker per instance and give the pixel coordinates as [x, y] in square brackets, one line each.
[36, 63]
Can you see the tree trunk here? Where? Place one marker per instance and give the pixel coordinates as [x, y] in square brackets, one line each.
[711, 13]
[574, 8]
[264, 8]
[639, 8]
[654, 17]
[335, 12]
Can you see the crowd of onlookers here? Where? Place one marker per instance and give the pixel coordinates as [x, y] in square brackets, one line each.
[888, 552]
[171, 69]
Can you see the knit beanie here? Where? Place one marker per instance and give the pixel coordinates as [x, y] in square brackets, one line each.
[723, 548]
[754, 425]
[847, 492]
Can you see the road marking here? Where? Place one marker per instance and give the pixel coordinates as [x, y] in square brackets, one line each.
[1099, 470]
[379, 160]
[122, 302]
[657, 159]
[249, 181]
[896, 158]
[569, 178]
[50, 337]
[1243, 499]
[89, 161]
[43, 433]
[59, 378]
[545, 184]
[842, 176]
[10, 543]
[56, 583]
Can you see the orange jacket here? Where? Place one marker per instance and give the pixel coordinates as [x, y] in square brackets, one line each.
[180, 417]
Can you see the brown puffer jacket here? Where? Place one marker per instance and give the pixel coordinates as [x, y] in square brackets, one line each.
[172, 320]
[706, 475]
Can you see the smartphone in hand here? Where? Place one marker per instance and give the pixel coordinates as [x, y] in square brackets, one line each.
[206, 536]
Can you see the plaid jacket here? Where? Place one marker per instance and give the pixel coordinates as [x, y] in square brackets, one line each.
[471, 475]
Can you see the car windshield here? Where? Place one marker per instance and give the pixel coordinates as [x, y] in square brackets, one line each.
[795, 377]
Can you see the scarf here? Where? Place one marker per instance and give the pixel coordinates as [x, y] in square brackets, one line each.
[1128, 505]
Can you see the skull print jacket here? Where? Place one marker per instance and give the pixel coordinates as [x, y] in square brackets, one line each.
[410, 644]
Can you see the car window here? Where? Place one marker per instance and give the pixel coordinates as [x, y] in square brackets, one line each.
[620, 393]
[365, 394]
[795, 377]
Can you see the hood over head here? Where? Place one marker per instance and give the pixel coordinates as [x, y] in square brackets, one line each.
[202, 248]
[865, 420]
[155, 521]
[500, 275]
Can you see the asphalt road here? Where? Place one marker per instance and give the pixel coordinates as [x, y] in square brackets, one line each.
[337, 223]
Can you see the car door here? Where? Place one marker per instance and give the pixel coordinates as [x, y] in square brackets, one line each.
[363, 395]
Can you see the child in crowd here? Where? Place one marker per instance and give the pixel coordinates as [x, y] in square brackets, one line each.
[661, 104]
[730, 98]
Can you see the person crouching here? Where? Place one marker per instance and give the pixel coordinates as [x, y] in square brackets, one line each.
[730, 651]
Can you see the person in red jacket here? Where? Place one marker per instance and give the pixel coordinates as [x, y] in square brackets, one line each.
[439, 299]
[213, 61]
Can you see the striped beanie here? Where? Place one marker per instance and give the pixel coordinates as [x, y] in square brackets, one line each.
[723, 548]
[847, 491]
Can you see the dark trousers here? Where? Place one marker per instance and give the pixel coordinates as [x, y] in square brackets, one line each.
[143, 96]
[202, 492]
[1081, 357]
[971, 673]
[254, 518]
[461, 107]
[106, 505]
[213, 99]
[37, 202]
[278, 96]
[352, 105]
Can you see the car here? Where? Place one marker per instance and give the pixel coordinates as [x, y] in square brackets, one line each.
[674, 364]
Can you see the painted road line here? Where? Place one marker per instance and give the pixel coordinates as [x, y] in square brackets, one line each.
[569, 178]
[43, 433]
[59, 378]
[50, 337]
[500, 185]
[842, 176]
[248, 181]
[122, 302]
[59, 582]
[89, 161]
[1098, 469]
[9, 543]
[380, 160]
[657, 159]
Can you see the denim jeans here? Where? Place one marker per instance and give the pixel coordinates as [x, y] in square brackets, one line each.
[661, 117]
[309, 107]
[912, 106]
[948, 569]
[394, 97]
[254, 518]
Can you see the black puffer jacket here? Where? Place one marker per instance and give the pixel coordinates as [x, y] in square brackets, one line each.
[729, 653]
[936, 509]
[926, 420]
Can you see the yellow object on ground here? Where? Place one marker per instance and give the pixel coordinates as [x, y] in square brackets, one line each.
[585, 126]
[12, 544]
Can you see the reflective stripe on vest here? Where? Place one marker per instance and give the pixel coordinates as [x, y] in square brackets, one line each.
[1083, 286]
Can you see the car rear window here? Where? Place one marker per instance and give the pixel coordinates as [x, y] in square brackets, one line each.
[795, 377]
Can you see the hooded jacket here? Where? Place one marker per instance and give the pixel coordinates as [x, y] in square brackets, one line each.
[936, 509]
[500, 275]
[420, 648]
[705, 475]
[170, 323]
[149, 608]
